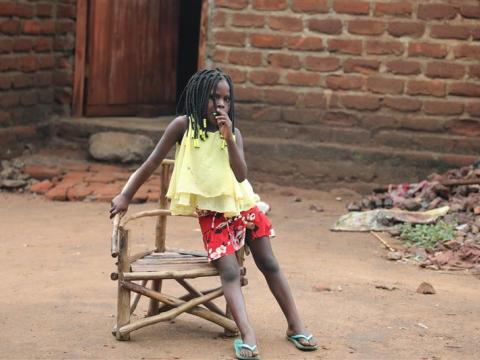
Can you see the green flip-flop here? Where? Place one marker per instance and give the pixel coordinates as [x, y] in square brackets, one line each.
[294, 339]
[238, 345]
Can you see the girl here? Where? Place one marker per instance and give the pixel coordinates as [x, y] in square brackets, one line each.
[209, 179]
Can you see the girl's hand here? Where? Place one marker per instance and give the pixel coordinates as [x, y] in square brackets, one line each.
[119, 205]
[224, 124]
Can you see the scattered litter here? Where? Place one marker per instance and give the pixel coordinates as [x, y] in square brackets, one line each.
[422, 325]
[321, 287]
[394, 255]
[316, 208]
[338, 198]
[425, 288]
[386, 287]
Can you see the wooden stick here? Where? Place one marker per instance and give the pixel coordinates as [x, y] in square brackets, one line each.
[383, 241]
[197, 293]
[116, 224]
[137, 298]
[170, 274]
[123, 297]
[139, 255]
[460, 182]
[180, 308]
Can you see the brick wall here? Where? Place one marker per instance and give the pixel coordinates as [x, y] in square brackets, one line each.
[36, 65]
[398, 78]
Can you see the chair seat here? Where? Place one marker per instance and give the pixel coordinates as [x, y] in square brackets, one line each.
[171, 265]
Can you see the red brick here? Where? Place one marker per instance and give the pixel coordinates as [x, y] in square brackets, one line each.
[6, 45]
[476, 33]
[42, 172]
[321, 64]
[385, 85]
[326, 26]
[41, 187]
[438, 51]
[400, 8]
[8, 63]
[422, 123]
[220, 19]
[285, 23]
[43, 44]
[465, 127]
[76, 176]
[24, 10]
[219, 55]
[303, 79]
[102, 192]
[10, 27]
[28, 63]
[379, 121]
[33, 27]
[22, 81]
[232, 4]
[238, 76]
[264, 77]
[310, 6]
[267, 41]
[363, 66]
[403, 67]
[464, 89]
[248, 20]
[315, 100]
[305, 43]
[344, 46]
[450, 32]
[470, 11]
[436, 12]
[29, 98]
[345, 82]
[63, 43]
[79, 192]
[467, 51]
[22, 45]
[375, 47]
[58, 193]
[66, 11]
[231, 38]
[62, 78]
[403, 104]
[443, 107]
[284, 61]
[406, 28]
[102, 177]
[248, 94]
[5, 82]
[46, 62]
[366, 27]
[280, 97]
[7, 9]
[270, 4]
[9, 100]
[360, 102]
[75, 167]
[473, 108]
[246, 58]
[352, 7]
[44, 10]
[474, 71]
[426, 87]
[445, 70]
[65, 26]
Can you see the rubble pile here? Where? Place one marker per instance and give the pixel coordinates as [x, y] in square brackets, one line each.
[459, 189]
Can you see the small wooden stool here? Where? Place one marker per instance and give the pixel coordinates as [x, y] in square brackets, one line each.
[158, 265]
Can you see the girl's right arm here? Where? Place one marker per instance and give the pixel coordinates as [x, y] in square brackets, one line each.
[173, 133]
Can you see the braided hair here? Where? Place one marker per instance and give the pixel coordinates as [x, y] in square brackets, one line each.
[194, 100]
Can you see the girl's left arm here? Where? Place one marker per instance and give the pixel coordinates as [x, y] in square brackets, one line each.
[236, 156]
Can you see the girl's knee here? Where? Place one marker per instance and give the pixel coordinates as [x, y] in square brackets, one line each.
[268, 264]
[230, 273]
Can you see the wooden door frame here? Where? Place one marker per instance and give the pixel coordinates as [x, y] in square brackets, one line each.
[81, 52]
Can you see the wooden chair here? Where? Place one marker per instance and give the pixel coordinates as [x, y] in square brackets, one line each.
[158, 265]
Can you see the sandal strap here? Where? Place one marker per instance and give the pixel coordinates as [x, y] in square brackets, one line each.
[301, 336]
[248, 347]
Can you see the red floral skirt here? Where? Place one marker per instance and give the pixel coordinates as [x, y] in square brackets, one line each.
[223, 236]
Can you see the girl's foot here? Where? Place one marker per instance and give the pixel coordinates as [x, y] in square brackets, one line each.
[311, 342]
[249, 339]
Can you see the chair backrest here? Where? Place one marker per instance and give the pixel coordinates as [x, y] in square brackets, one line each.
[161, 226]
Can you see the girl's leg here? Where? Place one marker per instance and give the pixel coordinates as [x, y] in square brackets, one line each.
[267, 263]
[229, 271]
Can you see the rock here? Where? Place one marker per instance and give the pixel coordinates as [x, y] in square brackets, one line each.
[12, 184]
[353, 206]
[316, 208]
[410, 205]
[394, 255]
[321, 287]
[118, 146]
[425, 288]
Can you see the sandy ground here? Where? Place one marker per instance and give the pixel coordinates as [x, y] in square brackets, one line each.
[58, 301]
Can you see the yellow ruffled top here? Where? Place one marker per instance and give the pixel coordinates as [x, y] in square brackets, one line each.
[202, 178]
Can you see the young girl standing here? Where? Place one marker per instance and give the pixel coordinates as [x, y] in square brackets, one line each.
[210, 179]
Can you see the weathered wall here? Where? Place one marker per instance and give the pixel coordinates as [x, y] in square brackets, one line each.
[385, 78]
[36, 66]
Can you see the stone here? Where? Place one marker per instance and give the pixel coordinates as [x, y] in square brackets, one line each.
[425, 288]
[118, 146]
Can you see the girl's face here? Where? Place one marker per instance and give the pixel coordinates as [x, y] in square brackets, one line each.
[219, 101]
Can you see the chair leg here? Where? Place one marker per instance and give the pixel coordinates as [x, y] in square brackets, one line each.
[123, 311]
[153, 307]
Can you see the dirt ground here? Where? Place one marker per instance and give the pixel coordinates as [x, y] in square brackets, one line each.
[58, 300]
